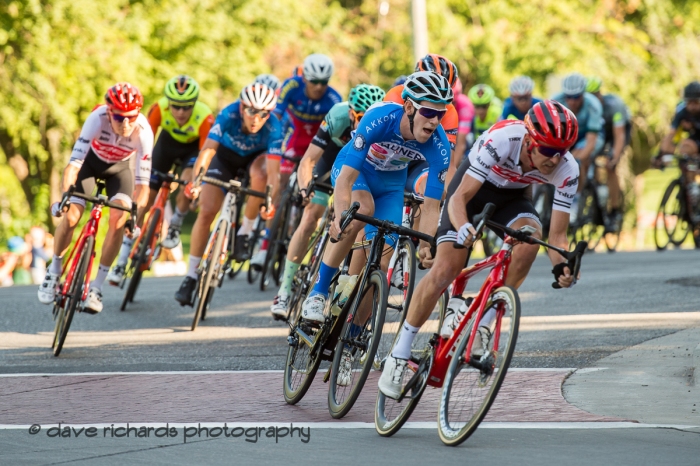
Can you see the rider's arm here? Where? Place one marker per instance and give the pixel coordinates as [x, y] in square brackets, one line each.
[667, 144]
[342, 193]
[619, 140]
[557, 235]
[90, 130]
[142, 174]
[205, 155]
[308, 162]
[457, 156]
[457, 206]
[585, 152]
[274, 155]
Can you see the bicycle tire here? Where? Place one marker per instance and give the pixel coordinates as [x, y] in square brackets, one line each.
[612, 238]
[298, 379]
[253, 273]
[70, 302]
[389, 414]
[670, 219]
[588, 228]
[141, 259]
[454, 435]
[205, 291]
[338, 405]
[306, 276]
[277, 231]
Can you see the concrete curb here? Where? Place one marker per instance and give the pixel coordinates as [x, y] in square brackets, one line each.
[696, 364]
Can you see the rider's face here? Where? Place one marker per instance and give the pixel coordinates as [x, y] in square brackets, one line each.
[253, 120]
[546, 165]
[181, 113]
[693, 106]
[423, 127]
[574, 102]
[126, 126]
[522, 102]
[315, 89]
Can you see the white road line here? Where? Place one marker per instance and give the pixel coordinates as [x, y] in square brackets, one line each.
[365, 425]
[64, 374]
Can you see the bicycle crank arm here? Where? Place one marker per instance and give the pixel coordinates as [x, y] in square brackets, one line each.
[485, 364]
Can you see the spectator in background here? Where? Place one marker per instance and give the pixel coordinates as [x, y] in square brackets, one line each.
[21, 250]
[41, 250]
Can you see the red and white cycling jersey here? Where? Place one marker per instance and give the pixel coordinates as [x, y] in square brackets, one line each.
[97, 134]
[495, 157]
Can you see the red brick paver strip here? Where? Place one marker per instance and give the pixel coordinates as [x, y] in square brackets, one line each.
[526, 396]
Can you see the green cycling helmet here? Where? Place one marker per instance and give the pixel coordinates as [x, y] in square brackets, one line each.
[182, 89]
[594, 84]
[481, 94]
[363, 96]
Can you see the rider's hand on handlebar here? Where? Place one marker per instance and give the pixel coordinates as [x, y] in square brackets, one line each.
[56, 211]
[192, 190]
[563, 275]
[268, 214]
[335, 228]
[466, 235]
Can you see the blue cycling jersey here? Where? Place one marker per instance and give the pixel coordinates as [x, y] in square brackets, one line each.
[228, 131]
[300, 115]
[590, 116]
[377, 146]
[511, 112]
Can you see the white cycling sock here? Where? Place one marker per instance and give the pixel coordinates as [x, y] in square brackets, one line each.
[56, 265]
[246, 227]
[177, 218]
[125, 250]
[489, 319]
[194, 263]
[102, 272]
[402, 349]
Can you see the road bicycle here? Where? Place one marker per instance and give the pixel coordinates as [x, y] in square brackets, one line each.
[211, 268]
[339, 338]
[679, 211]
[147, 247]
[77, 268]
[469, 384]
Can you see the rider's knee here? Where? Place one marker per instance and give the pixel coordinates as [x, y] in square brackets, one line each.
[688, 147]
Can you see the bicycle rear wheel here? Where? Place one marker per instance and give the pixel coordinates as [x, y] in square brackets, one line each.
[362, 347]
[142, 257]
[589, 226]
[389, 414]
[69, 303]
[210, 269]
[278, 230]
[671, 220]
[254, 273]
[468, 392]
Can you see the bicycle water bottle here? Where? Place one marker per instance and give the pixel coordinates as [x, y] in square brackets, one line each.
[346, 283]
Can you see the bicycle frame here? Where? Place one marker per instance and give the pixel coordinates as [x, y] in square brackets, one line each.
[228, 215]
[446, 348]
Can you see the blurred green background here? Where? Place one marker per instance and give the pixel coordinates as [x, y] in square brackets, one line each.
[57, 57]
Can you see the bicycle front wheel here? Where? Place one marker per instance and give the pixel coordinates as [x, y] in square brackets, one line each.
[357, 346]
[468, 392]
[210, 270]
[69, 303]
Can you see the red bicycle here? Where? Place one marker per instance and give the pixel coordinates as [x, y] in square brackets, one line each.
[74, 288]
[469, 384]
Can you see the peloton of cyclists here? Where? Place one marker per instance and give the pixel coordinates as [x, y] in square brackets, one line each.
[503, 162]
[115, 145]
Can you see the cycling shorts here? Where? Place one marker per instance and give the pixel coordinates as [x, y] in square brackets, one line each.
[118, 177]
[386, 189]
[417, 174]
[167, 152]
[228, 165]
[511, 205]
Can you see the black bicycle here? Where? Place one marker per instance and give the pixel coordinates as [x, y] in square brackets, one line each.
[679, 212]
[350, 345]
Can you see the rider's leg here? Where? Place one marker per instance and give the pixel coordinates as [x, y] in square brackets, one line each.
[614, 189]
[64, 235]
[298, 244]
[211, 199]
[182, 203]
[583, 168]
[113, 239]
[258, 180]
[690, 148]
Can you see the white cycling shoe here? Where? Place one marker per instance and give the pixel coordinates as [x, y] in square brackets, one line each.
[280, 307]
[116, 275]
[391, 381]
[172, 239]
[47, 290]
[93, 302]
[258, 260]
[313, 307]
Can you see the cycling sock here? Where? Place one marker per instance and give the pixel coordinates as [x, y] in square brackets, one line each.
[102, 272]
[325, 275]
[488, 319]
[246, 227]
[125, 250]
[402, 348]
[56, 265]
[177, 218]
[194, 263]
[290, 268]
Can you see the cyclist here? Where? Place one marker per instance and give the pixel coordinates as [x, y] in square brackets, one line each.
[686, 118]
[242, 131]
[520, 101]
[589, 114]
[303, 103]
[487, 109]
[465, 114]
[114, 145]
[185, 123]
[504, 160]
[333, 134]
[617, 127]
[270, 80]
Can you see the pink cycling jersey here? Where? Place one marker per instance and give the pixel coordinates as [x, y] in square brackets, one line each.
[465, 112]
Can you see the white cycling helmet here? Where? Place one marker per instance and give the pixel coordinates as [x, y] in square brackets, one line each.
[318, 66]
[259, 96]
[426, 85]
[270, 80]
[522, 85]
[574, 84]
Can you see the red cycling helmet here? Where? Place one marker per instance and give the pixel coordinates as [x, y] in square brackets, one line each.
[440, 65]
[551, 124]
[123, 97]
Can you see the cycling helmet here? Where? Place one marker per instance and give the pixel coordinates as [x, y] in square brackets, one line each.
[426, 85]
[259, 96]
[440, 65]
[364, 95]
[573, 84]
[318, 66]
[400, 80]
[551, 124]
[182, 89]
[298, 71]
[521, 85]
[123, 97]
[692, 91]
[481, 94]
[270, 80]
[594, 84]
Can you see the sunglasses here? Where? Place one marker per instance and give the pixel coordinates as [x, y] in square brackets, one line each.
[251, 112]
[573, 97]
[481, 106]
[120, 118]
[319, 82]
[357, 115]
[429, 112]
[549, 152]
[181, 107]
[522, 98]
